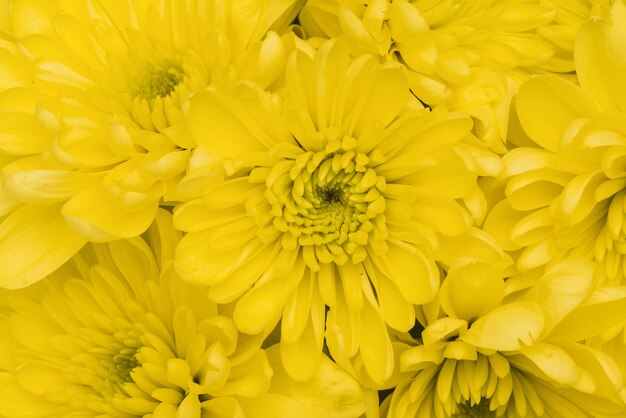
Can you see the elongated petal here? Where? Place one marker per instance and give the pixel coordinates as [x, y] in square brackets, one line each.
[601, 59]
[376, 347]
[261, 306]
[301, 358]
[34, 241]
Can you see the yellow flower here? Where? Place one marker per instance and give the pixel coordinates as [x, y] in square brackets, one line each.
[92, 137]
[469, 55]
[333, 193]
[108, 334]
[565, 187]
[114, 333]
[498, 354]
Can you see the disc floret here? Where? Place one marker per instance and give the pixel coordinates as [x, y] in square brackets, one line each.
[330, 200]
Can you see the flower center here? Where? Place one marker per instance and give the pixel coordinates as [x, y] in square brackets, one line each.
[123, 364]
[331, 195]
[479, 410]
[158, 79]
[329, 200]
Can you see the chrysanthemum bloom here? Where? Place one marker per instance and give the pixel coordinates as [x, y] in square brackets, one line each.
[114, 334]
[470, 55]
[565, 191]
[498, 355]
[335, 195]
[91, 132]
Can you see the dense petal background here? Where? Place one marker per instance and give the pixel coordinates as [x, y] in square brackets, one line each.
[312, 208]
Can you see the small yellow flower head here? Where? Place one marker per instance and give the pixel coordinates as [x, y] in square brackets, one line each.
[110, 335]
[470, 55]
[565, 189]
[92, 138]
[333, 193]
[494, 354]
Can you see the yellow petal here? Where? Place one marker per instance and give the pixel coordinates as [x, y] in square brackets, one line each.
[32, 16]
[601, 60]
[563, 287]
[262, 305]
[578, 198]
[189, 407]
[99, 216]
[281, 406]
[471, 289]
[416, 276]
[39, 376]
[376, 350]
[301, 358]
[331, 392]
[535, 189]
[546, 105]
[446, 215]
[297, 311]
[387, 93]
[248, 379]
[602, 310]
[507, 328]
[549, 361]
[34, 241]
[394, 308]
[21, 134]
[44, 186]
[599, 365]
[247, 273]
[14, 70]
[215, 125]
[225, 407]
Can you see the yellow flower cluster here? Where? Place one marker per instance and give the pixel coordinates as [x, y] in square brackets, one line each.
[312, 208]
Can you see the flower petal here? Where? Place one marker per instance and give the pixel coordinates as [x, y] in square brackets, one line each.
[34, 241]
[376, 350]
[563, 287]
[331, 392]
[548, 360]
[604, 309]
[471, 289]
[99, 216]
[507, 327]
[546, 105]
[261, 306]
[601, 59]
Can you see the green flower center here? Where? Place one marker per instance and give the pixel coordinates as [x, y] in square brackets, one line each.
[123, 364]
[158, 79]
[480, 410]
[329, 200]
